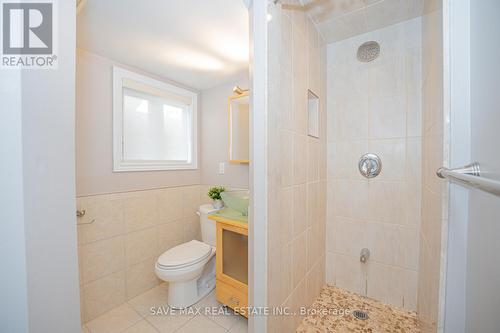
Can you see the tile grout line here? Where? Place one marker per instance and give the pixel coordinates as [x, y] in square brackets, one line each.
[178, 328]
[118, 271]
[227, 329]
[143, 318]
[177, 220]
[213, 321]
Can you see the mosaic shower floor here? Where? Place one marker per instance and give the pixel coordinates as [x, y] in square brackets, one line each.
[333, 312]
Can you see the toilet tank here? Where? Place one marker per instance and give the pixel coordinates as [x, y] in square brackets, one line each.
[208, 229]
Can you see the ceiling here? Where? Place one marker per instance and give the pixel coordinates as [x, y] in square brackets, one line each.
[197, 43]
[341, 19]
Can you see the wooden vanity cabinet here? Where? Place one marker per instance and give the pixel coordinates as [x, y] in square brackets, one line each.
[232, 265]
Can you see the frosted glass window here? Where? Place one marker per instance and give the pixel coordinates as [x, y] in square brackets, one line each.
[154, 128]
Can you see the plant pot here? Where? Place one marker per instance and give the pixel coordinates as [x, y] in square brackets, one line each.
[218, 204]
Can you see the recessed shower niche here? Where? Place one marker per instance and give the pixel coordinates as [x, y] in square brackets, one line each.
[313, 114]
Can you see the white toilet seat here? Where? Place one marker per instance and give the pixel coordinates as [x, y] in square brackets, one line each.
[184, 255]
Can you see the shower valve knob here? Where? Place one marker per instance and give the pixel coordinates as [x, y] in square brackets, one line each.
[364, 255]
[370, 165]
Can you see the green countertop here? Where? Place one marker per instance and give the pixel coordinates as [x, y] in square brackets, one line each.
[229, 214]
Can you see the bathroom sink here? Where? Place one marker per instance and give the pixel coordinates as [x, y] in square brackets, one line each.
[236, 200]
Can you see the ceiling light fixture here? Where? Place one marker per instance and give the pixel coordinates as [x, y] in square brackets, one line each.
[193, 59]
[200, 61]
[233, 46]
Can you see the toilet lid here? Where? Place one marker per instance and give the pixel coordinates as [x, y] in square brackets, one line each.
[185, 254]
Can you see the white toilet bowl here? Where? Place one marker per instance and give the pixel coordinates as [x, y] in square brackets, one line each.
[189, 268]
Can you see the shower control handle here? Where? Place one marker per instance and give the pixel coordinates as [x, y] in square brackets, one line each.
[364, 255]
[370, 165]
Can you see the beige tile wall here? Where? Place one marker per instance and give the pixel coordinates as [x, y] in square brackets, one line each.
[118, 251]
[375, 107]
[434, 191]
[297, 166]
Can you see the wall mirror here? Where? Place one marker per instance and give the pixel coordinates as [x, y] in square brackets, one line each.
[239, 128]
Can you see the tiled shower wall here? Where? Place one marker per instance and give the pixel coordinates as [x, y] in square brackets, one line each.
[375, 107]
[117, 252]
[434, 191]
[296, 165]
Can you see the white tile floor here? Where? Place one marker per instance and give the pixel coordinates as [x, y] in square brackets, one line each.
[135, 316]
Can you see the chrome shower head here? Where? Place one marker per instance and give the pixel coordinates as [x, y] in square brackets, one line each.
[368, 51]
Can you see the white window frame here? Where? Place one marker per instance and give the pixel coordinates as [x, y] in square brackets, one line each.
[120, 165]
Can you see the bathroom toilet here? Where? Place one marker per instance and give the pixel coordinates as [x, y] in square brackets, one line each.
[189, 268]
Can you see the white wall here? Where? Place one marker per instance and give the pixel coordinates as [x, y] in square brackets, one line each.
[483, 273]
[258, 183]
[43, 260]
[214, 143]
[375, 107]
[456, 29]
[94, 135]
[14, 301]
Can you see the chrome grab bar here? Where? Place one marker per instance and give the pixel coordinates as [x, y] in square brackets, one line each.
[470, 175]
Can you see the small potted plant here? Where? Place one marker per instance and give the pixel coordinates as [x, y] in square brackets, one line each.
[214, 194]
